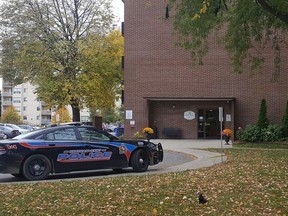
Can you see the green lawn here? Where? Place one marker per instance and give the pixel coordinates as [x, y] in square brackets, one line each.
[251, 182]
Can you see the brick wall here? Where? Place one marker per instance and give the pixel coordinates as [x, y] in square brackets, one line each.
[155, 67]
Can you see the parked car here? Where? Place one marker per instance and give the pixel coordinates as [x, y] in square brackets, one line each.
[73, 148]
[111, 127]
[26, 127]
[2, 135]
[15, 127]
[9, 132]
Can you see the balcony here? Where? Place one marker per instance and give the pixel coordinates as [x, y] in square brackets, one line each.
[46, 112]
[45, 122]
[6, 103]
[6, 94]
[7, 84]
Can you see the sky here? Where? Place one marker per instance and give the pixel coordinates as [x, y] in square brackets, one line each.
[118, 6]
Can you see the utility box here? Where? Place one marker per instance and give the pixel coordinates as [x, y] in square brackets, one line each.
[97, 122]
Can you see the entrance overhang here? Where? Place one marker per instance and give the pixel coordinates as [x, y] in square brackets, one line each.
[189, 99]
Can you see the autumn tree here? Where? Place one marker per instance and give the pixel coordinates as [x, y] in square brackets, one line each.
[247, 26]
[62, 114]
[62, 46]
[10, 115]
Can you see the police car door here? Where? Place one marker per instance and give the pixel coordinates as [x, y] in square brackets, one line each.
[65, 149]
[103, 154]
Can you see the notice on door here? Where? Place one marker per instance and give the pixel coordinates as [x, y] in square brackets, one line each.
[189, 115]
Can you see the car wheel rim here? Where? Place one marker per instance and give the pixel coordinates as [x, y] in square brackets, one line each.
[37, 167]
[142, 160]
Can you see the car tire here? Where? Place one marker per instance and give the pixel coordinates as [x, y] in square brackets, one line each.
[36, 167]
[140, 160]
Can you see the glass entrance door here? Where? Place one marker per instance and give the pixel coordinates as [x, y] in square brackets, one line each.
[208, 123]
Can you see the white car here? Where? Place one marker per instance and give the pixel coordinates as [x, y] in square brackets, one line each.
[15, 127]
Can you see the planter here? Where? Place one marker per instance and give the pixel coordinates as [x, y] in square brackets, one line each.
[227, 139]
[148, 136]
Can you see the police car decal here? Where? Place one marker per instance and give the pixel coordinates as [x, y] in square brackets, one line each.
[84, 155]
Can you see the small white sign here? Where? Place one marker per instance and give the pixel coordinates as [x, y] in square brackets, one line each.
[132, 123]
[189, 115]
[129, 114]
[228, 117]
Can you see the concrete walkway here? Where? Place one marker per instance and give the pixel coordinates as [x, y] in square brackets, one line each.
[196, 148]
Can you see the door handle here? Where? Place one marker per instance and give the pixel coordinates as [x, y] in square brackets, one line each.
[52, 144]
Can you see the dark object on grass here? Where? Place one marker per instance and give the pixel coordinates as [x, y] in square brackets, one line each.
[202, 199]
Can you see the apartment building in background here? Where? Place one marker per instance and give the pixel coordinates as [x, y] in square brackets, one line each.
[32, 110]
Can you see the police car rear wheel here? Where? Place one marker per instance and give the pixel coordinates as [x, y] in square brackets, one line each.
[140, 160]
[36, 167]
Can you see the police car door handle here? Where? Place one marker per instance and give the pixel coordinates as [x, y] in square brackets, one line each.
[52, 144]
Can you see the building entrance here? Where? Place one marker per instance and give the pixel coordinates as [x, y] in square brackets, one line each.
[208, 124]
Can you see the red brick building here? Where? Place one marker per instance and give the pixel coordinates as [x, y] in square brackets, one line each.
[163, 89]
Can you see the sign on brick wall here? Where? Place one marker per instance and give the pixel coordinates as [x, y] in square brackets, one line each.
[189, 115]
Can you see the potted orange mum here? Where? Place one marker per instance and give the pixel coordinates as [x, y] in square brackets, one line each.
[227, 133]
[148, 132]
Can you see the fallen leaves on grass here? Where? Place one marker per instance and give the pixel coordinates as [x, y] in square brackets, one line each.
[251, 182]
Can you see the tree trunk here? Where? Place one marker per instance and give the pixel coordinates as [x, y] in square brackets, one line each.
[76, 114]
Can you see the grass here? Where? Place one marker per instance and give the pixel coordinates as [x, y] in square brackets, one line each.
[250, 182]
[280, 145]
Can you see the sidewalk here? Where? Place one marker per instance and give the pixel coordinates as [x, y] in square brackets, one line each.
[195, 148]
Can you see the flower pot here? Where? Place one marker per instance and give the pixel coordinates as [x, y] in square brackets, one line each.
[148, 136]
[227, 139]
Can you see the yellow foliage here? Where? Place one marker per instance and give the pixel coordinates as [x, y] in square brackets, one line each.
[64, 116]
[10, 115]
[196, 16]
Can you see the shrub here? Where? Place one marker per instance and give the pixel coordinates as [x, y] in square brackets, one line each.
[262, 121]
[285, 122]
[252, 133]
[273, 133]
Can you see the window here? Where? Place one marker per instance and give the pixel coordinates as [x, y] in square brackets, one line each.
[25, 99]
[38, 108]
[38, 117]
[17, 91]
[24, 108]
[62, 134]
[24, 117]
[91, 134]
[16, 100]
[25, 90]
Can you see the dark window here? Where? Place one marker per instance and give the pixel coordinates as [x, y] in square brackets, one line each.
[62, 134]
[122, 28]
[122, 62]
[91, 134]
